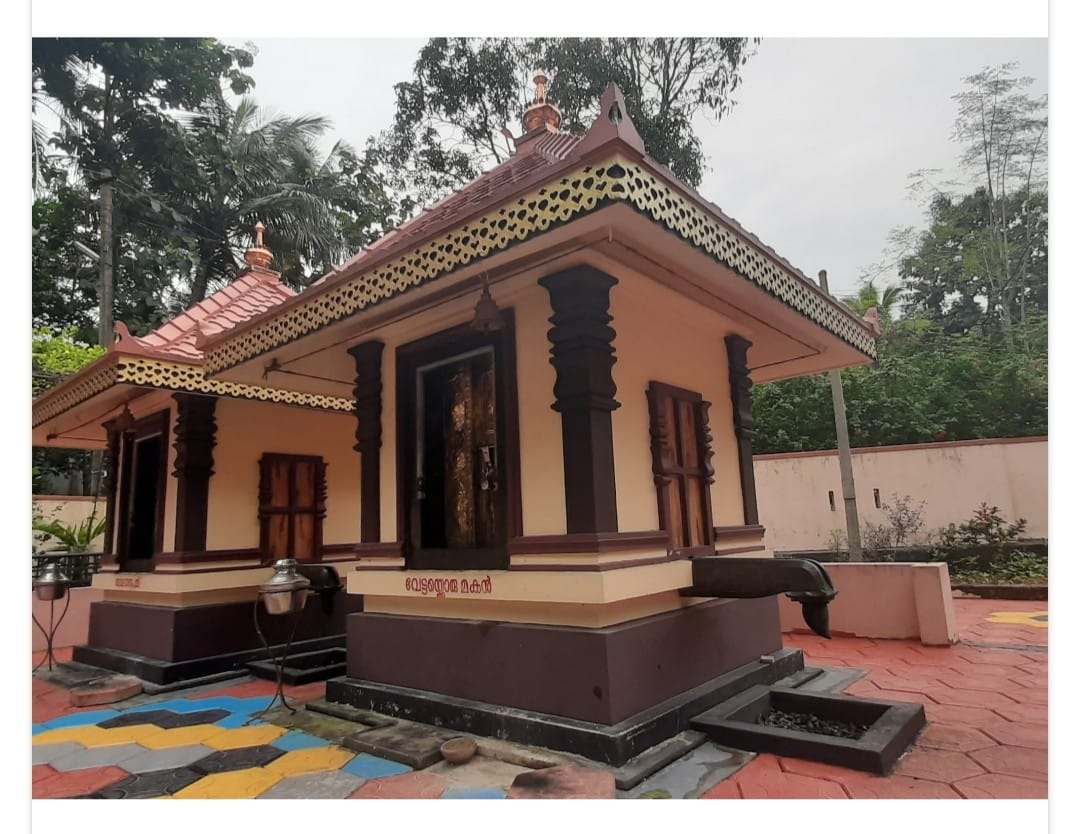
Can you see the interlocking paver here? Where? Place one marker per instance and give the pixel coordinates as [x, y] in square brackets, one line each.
[937, 765]
[313, 760]
[968, 697]
[45, 753]
[181, 736]
[241, 758]
[296, 740]
[81, 719]
[332, 784]
[77, 782]
[1017, 733]
[417, 785]
[168, 758]
[165, 719]
[763, 779]
[1010, 761]
[244, 737]
[367, 766]
[1022, 712]
[1000, 786]
[97, 757]
[150, 785]
[473, 793]
[236, 784]
[959, 739]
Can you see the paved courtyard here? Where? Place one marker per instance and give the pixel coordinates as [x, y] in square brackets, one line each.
[985, 699]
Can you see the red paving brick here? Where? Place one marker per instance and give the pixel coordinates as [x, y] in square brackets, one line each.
[937, 765]
[1013, 761]
[418, 785]
[951, 714]
[1022, 712]
[763, 779]
[77, 782]
[959, 739]
[1016, 734]
[968, 697]
[999, 786]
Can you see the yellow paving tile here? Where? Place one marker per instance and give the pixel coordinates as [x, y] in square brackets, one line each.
[1027, 618]
[91, 736]
[236, 784]
[179, 736]
[244, 737]
[312, 760]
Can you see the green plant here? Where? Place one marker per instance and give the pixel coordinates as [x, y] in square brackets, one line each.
[986, 527]
[73, 538]
[836, 541]
[905, 518]
[877, 541]
[1017, 568]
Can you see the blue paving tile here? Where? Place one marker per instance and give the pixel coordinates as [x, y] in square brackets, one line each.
[297, 740]
[367, 766]
[474, 793]
[237, 720]
[80, 719]
[248, 705]
[37, 728]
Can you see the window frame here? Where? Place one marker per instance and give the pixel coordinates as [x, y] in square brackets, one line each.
[660, 437]
[268, 510]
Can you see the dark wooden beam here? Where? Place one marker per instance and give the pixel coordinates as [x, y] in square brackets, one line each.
[195, 438]
[739, 377]
[583, 354]
[368, 394]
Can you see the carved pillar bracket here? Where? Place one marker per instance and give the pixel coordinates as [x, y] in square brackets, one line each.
[583, 354]
[739, 377]
[368, 409]
[195, 438]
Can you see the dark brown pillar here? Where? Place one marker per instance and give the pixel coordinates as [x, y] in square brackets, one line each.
[739, 377]
[368, 394]
[112, 478]
[196, 436]
[583, 356]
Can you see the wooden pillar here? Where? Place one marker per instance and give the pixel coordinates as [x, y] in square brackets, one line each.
[196, 436]
[368, 409]
[583, 355]
[739, 377]
[112, 479]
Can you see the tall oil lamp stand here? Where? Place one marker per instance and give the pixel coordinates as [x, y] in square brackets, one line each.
[51, 585]
[283, 593]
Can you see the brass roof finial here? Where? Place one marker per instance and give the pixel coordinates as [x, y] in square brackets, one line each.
[541, 112]
[258, 256]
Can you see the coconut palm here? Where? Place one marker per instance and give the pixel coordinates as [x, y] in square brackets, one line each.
[236, 166]
[868, 297]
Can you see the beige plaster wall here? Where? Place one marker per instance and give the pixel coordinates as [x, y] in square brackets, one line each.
[888, 600]
[540, 430]
[245, 431]
[71, 510]
[663, 336]
[952, 478]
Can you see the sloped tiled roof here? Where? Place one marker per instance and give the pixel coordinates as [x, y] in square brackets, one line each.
[252, 293]
[501, 182]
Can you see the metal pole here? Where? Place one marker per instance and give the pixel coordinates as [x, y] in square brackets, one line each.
[843, 447]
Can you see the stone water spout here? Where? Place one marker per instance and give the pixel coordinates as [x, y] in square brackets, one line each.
[802, 580]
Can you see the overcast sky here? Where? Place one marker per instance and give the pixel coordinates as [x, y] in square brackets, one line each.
[814, 159]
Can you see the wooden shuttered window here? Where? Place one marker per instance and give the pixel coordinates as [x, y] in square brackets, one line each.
[682, 469]
[292, 505]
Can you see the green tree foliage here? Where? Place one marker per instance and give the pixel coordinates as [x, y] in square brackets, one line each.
[466, 92]
[927, 385]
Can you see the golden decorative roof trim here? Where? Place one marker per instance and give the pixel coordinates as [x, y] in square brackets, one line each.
[173, 376]
[573, 194]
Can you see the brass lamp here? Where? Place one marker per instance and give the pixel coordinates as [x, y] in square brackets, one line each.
[286, 590]
[49, 586]
[486, 317]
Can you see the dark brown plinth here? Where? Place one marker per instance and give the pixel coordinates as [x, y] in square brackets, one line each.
[601, 675]
[165, 645]
[614, 744]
